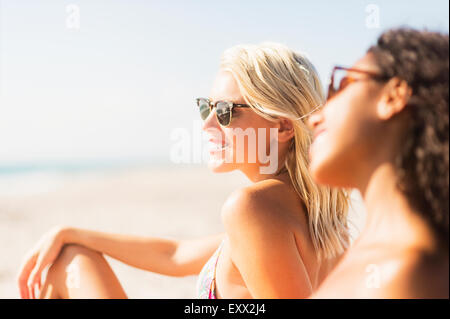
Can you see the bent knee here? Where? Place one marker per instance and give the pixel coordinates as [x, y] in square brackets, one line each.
[72, 252]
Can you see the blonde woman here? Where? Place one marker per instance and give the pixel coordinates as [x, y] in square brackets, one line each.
[283, 232]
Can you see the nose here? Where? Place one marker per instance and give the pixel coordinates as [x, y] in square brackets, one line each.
[211, 121]
[315, 119]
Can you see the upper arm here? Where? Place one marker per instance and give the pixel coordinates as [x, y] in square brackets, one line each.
[192, 255]
[263, 248]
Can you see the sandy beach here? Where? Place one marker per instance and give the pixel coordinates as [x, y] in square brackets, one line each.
[176, 202]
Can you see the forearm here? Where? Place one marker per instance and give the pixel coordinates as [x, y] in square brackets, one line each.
[148, 253]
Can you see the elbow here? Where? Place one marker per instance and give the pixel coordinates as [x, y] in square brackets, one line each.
[180, 269]
[176, 266]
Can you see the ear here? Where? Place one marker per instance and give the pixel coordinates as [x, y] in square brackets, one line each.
[394, 98]
[285, 130]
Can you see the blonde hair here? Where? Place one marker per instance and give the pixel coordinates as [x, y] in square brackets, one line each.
[277, 82]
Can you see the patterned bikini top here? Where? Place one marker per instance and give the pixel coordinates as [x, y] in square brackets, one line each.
[206, 284]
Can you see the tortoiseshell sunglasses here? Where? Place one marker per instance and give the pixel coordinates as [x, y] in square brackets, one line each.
[343, 80]
[224, 109]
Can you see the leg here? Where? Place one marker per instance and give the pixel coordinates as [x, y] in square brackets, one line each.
[81, 273]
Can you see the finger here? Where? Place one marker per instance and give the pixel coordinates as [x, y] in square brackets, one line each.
[24, 273]
[32, 290]
[23, 288]
[33, 280]
[36, 276]
[39, 283]
[23, 291]
[36, 291]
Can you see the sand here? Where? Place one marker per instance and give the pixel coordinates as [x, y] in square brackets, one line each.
[176, 202]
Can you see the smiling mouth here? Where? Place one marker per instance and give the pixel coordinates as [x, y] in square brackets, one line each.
[216, 147]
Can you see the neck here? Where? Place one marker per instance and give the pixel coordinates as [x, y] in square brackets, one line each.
[254, 174]
[390, 218]
[253, 171]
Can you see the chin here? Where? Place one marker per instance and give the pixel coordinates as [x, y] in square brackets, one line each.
[327, 174]
[334, 167]
[219, 166]
[316, 173]
[321, 171]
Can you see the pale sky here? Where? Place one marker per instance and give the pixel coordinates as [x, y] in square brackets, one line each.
[116, 87]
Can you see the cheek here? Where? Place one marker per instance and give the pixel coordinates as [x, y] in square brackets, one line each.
[264, 138]
[228, 134]
[346, 141]
[350, 119]
[249, 138]
[250, 124]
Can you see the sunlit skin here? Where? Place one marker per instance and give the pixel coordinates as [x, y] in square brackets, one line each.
[268, 252]
[357, 135]
[263, 218]
[225, 88]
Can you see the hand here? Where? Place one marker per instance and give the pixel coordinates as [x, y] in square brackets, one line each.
[42, 255]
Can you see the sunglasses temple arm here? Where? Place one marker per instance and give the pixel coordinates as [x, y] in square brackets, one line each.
[309, 113]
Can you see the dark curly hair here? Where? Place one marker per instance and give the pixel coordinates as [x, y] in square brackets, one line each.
[421, 59]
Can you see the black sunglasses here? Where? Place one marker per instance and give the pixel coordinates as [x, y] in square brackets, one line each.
[342, 82]
[224, 109]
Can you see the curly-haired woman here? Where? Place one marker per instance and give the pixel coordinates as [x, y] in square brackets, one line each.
[385, 131]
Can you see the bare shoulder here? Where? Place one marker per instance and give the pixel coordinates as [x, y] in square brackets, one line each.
[420, 275]
[413, 274]
[261, 240]
[267, 202]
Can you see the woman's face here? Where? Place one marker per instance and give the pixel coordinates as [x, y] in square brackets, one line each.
[231, 147]
[347, 131]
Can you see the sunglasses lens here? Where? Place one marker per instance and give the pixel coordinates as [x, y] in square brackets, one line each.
[337, 81]
[203, 105]
[223, 112]
[330, 92]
